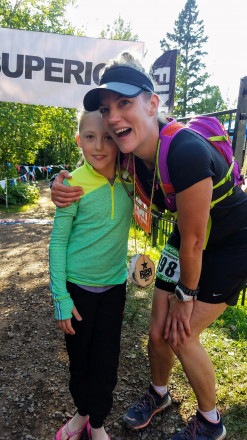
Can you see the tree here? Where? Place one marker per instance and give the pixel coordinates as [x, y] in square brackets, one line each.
[26, 129]
[210, 101]
[56, 132]
[188, 38]
[36, 15]
[119, 31]
[18, 134]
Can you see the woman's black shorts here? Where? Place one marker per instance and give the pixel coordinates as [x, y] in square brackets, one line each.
[224, 269]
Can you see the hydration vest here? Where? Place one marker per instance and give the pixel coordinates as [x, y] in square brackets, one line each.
[211, 130]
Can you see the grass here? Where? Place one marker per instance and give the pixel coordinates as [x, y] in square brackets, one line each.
[225, 341]
[13, 208]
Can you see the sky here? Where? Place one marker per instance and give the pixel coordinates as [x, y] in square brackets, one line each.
[225, 24]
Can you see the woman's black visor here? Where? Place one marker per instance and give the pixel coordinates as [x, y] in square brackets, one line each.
[120, 79]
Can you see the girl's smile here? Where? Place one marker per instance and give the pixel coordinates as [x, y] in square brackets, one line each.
[98, 147]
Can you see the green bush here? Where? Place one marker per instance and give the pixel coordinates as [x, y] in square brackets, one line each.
[20, 193]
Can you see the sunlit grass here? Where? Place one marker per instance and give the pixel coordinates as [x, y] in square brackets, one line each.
[13, 208]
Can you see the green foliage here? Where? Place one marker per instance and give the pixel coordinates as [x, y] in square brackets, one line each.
[36, 15]
[153, 252]
[36, 135]
[20, 194]
[191, 94]
[119, 31]
[234, 321]
[56, 131]
[210, 101]
[18, 134]
[30, 133]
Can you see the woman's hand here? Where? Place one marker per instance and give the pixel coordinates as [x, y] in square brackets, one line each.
[178, 319]
[65, 324]
[62, 195]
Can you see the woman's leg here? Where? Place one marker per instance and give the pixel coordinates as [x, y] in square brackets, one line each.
[193, 357]
[161, 357]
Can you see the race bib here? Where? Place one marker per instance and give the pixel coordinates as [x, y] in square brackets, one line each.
[169, 268]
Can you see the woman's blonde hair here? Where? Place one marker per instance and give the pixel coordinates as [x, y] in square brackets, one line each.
[127, 59]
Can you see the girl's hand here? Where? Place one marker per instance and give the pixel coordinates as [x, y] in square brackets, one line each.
[178, 319]
[62, 195]
[65, 324]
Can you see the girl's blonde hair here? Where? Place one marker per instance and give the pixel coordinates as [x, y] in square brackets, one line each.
[81, 116]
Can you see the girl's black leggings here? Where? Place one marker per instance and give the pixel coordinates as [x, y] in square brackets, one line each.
[94, 349]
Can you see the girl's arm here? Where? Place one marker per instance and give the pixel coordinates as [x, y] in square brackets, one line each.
[62, 195]
[64, 306]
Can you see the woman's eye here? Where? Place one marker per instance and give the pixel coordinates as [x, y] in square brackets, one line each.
[123, 102]
[103, 110]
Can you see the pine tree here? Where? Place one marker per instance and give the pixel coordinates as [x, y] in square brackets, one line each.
[188, 38]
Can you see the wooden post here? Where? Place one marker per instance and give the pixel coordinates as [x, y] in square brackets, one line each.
[240, 123]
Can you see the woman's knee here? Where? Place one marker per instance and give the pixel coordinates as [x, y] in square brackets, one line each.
[156, 337]
[183, 347]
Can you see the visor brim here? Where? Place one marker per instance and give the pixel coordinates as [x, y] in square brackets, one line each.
[91, 100]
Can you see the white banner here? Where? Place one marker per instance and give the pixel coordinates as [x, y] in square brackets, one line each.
[53, 69]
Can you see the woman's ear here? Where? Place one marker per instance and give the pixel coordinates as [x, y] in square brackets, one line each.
[78, 141]
[154, 104]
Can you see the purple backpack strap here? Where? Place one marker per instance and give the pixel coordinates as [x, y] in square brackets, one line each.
[166, 136]
[211, 129]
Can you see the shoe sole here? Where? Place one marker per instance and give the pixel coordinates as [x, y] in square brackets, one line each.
[223, 435]
[168, 403]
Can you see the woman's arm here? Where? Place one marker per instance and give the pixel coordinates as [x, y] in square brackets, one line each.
[63, 195]
[193, 207]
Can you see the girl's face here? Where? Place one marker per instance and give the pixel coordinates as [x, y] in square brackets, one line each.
[97, 145]
[130, 121]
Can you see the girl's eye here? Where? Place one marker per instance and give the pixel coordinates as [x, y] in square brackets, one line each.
[89, 136]
[108, 138]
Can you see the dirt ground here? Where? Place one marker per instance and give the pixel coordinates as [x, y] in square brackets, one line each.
[34, 364]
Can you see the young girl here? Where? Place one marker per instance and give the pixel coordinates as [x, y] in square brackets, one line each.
[88, 251]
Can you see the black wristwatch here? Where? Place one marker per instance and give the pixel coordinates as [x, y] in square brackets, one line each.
[183, 293]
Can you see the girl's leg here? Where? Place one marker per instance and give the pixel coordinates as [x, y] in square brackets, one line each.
[78, 347]
[104, 355]
[75, 425]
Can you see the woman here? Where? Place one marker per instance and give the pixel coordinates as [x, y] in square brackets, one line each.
[206, 281]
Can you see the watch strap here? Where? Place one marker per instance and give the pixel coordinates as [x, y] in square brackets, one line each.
[188, 291]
